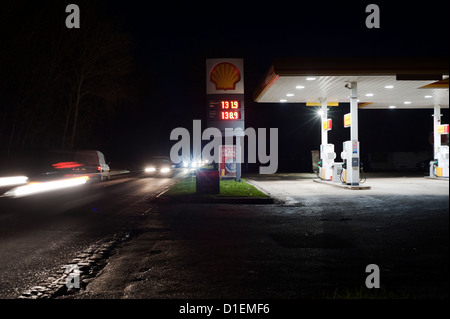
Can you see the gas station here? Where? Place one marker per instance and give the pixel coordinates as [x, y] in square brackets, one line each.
[364, 83]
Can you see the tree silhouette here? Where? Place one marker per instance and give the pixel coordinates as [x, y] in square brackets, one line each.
[57, 83]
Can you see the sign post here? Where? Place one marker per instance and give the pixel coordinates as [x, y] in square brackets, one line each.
[225, 106]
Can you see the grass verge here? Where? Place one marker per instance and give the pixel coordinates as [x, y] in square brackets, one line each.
[228, 188]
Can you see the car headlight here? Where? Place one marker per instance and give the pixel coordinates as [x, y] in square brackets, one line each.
[185, 164]
[150, 169]
[165, 170]
[13, 180]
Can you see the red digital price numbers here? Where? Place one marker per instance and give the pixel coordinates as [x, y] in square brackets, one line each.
[229, 105]
[230, 115]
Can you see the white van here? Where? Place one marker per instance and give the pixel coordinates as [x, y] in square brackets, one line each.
[92, 163]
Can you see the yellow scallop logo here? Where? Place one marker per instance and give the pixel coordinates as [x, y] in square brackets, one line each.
[225, 76]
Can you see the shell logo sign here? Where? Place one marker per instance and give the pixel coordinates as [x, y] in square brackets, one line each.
[327, 125]
[347, 120]
[225, 76]
[442, 129]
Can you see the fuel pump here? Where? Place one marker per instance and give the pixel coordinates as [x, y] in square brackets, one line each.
[327, 156]
[350, 165]
[440, 165]
[344, 163]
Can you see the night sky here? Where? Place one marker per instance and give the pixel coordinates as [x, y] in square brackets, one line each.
[172, 40]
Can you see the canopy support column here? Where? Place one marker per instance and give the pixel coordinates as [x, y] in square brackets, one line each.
[436, 122]
[354, 164]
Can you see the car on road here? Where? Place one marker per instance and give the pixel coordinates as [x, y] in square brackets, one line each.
[57, 170]
[192, 165]
[159, 166]
[91, 163]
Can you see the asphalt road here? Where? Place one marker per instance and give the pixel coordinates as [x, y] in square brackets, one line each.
[39, 234]
[315, 243]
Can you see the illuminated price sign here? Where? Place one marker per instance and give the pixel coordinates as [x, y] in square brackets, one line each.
[230, 115]
[225, 110]
[229, 105]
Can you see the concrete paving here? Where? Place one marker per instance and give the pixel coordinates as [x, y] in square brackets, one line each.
[286, 187]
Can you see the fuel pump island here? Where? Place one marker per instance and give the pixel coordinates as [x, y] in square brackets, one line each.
[366, 83]
[346, 172]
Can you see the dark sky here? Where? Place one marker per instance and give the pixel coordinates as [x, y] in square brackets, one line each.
[173, 39]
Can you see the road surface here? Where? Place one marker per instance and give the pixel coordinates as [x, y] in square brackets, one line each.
[40, 234]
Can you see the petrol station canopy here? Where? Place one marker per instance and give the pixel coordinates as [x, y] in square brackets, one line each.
[383, 83]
